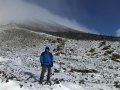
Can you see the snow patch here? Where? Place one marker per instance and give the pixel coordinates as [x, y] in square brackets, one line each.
[3, 59]
[11, 85]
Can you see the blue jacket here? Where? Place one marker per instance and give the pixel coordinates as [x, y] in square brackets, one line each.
[46, 58]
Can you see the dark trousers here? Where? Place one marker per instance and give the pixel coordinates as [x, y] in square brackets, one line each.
[44, 68]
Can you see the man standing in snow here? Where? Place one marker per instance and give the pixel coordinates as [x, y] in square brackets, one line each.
[46, 60]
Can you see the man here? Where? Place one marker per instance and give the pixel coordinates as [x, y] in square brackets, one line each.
[46, 60]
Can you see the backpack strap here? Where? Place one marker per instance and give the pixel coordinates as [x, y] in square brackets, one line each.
[42, 53]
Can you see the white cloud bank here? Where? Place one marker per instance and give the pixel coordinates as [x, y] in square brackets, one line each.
[118, 33]
[19, 11]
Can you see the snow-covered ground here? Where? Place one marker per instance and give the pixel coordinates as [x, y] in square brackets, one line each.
[79, 64]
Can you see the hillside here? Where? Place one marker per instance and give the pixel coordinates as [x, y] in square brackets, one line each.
[80, 64]
[56, 29]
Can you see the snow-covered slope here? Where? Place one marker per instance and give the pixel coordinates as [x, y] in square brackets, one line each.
[80, 64]
[56, 29]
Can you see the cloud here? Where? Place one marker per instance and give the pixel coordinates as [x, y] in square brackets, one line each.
[20, 11]
[118, 32]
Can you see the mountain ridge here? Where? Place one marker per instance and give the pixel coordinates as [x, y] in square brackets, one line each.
[59, 30]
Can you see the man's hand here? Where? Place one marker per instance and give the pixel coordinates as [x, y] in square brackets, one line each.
[42, 64]
[51, 64]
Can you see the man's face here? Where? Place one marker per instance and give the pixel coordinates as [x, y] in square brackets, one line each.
[47, 50]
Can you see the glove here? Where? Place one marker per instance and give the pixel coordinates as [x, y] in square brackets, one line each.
[51, 64]
[42, 64]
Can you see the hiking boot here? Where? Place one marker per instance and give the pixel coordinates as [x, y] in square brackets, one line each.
[40, 82]
[48, 82]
